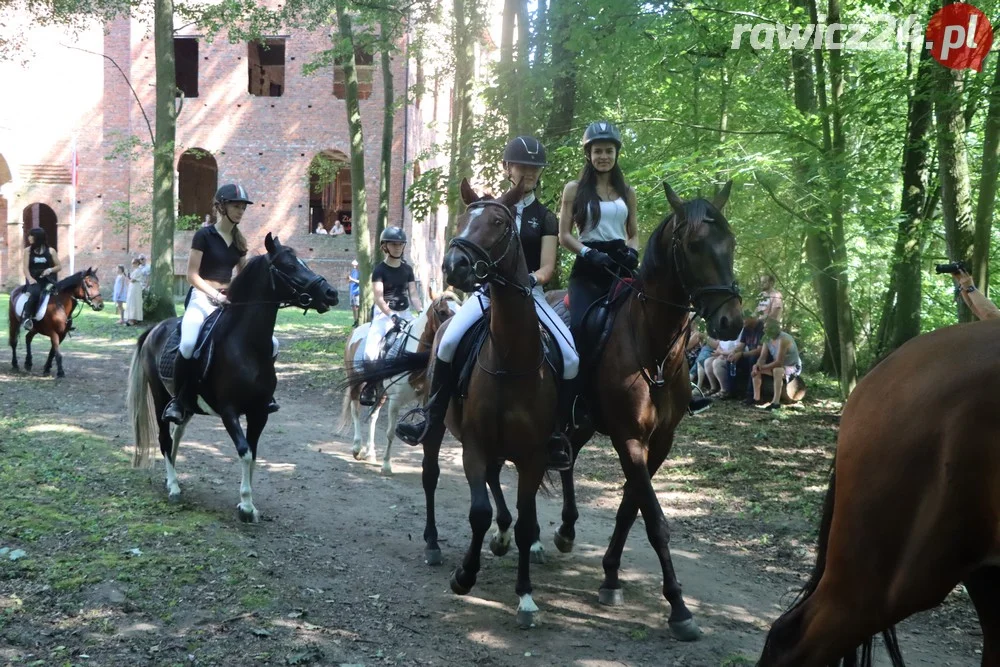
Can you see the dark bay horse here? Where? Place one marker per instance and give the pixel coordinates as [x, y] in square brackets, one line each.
[241, 376]
[81, 286]
[913, 505]
[510, 411]
[639, 389]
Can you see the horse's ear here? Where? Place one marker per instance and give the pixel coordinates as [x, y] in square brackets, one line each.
[514, 195]
[723, 196]
[270, 243]
[675, 202]
[469, 195]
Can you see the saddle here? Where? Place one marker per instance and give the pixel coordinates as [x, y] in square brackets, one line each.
[597, 322]
[22, 301]
[467, 354]
[203, 350]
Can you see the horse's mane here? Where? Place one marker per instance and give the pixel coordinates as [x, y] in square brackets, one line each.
[241, 290]
[696, 212]
[71, 282]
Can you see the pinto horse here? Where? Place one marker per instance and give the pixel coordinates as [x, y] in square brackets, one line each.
[639, 389]
[510, 411]
[81, 286]
[240, 379]
[400, 390]
[913, 505]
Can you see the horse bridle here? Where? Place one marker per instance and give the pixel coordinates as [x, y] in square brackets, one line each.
[696, 294]
[302, 298]
[485, 268]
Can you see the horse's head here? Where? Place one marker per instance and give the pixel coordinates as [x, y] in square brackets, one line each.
[696, 245]
[88, 290]
[441, 308]
[487, 247]
[295, 282]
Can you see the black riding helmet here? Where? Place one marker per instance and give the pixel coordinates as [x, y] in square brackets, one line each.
[601, 130]
[525, 150]
[231, 193]
[392, 235]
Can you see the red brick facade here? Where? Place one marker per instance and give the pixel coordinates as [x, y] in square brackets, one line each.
[265, 143]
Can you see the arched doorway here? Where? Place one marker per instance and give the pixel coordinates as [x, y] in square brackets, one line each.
[197, 181]
[329, 192]
[39, 215]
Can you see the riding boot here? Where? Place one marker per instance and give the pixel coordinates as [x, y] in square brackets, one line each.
[185, 393]
[272, 406]
[28, 315]
[369, 393]
[560, 450]
[442, 387]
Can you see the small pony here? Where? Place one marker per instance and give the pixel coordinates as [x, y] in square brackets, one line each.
[402, 389]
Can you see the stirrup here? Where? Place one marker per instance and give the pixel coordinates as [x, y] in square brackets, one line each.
[402, 423]
[559, 464]
[28, 324]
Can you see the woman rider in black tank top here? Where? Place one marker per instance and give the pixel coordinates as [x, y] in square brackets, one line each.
[40, 267]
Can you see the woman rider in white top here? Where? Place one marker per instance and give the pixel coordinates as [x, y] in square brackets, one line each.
[523, 160]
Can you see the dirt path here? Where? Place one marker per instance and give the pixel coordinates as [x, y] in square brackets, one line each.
[344, 546]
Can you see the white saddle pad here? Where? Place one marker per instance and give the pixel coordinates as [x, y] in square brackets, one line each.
[42, 305]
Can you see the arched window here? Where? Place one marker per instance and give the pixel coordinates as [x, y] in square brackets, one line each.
[197, 181]
[39, 215]
[329, 193]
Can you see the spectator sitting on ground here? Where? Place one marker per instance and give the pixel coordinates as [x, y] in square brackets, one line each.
[337, 229]
[693, 348]
[707, 348]
[784, 363]
[742, 359]
[717, 368]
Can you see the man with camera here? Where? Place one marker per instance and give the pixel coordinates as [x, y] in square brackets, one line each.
[980, 306]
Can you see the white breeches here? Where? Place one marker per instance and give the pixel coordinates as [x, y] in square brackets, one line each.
[472, 310]
[380, 326]
[197, 311]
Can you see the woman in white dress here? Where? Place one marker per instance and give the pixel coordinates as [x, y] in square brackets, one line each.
[133, 302]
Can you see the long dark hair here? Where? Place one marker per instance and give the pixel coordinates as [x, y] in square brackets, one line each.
[586, 193]
[37, 238]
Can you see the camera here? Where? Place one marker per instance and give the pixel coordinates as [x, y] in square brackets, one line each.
[953, 267]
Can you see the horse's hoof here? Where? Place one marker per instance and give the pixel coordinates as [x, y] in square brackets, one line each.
[611, 597]
[499, 545]
[359, 454]
[433, 557]
[60, 374]
[526, 619]
[685, 631]
[371, 459]
[249, 517]
[174, 498]
[537, 554]
[386, 469]
[563, 544]
[456, 585]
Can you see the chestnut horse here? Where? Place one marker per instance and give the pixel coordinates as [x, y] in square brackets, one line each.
[639, 389]
[913, 506]
[510, 411]
[81, 286]
[399, 390]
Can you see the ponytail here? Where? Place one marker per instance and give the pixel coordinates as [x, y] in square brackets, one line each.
[239, 239]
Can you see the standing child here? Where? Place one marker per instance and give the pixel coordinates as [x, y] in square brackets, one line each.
[354, 280]
[120, 293]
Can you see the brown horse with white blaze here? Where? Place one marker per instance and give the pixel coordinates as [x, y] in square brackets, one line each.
[913, 506]
[81, 286]
[639, 390]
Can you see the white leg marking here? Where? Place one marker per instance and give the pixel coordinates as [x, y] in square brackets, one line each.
[527, 611]
[173, 488]
[368, 451]
[246, 496]
[356, 419]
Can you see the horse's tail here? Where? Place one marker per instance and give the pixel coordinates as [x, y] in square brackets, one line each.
[140, 409]
[383, 369]
[345, 410]
[790, 621]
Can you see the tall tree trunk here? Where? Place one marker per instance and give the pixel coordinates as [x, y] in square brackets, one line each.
[818, 243]
[359, 196]
[987, 189]
[845, 315]
[162, 252]
[388, 118]
[522, 125]
[462, 116]
[541, 41]
[906, 274]
[720, 150]
[563, 70]
[953, 166]
[507, 72]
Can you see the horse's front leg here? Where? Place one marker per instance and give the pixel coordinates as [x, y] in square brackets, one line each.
[169, 443]
[28, 363]
[390, 431]
[480, 518]
[566, 532]
[367, 453]
[356, 420]
[526, 536]
[12, 340]
[429, 478]
[247, 512]
[500, 540]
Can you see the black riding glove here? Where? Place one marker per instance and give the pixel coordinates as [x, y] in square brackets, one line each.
[599, 259]
[632, 259]
[395, 319]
